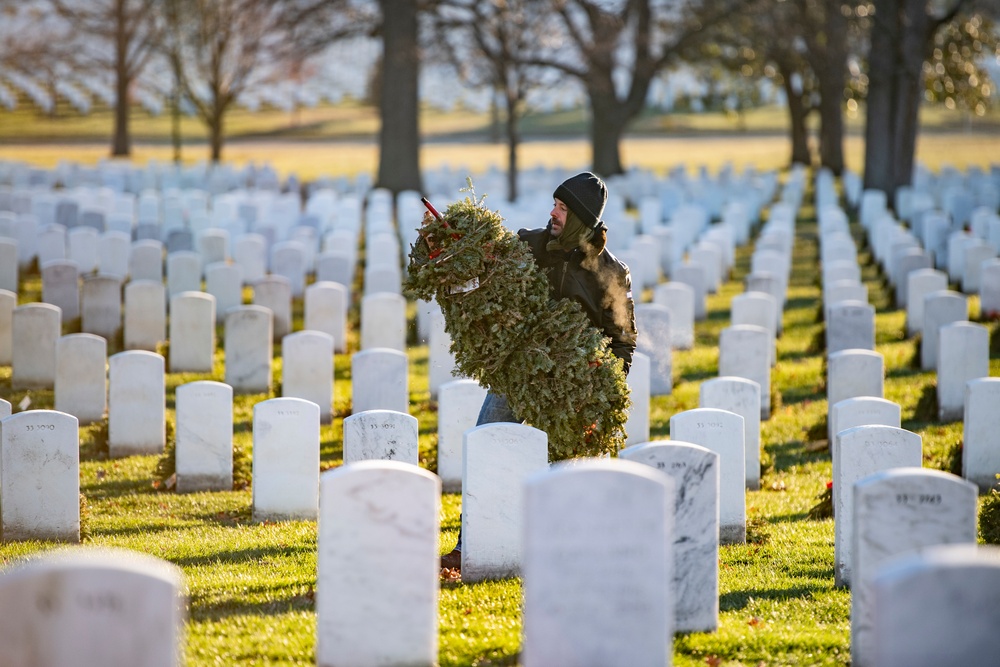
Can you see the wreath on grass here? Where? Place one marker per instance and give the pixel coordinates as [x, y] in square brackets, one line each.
[543, 355]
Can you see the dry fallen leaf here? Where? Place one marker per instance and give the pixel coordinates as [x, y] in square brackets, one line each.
[451, 574]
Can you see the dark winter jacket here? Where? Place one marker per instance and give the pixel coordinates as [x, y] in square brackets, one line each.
[598, 281]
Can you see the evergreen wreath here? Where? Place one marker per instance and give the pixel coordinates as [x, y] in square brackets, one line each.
[543, 355]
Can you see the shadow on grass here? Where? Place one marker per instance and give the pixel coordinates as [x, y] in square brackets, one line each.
[697, 376]
[279, 605]
[800, 302]
[246, 556]
[926, 410]
[102, 489]
[791, 517]
[801, 394]
[787, 455]
[737, 600]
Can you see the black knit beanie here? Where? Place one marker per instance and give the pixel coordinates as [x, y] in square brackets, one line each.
[585, 194]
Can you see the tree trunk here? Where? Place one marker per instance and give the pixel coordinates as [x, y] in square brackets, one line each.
[797, 114]
[120, 143]
[175, 121]
[607, 125]
[913, 44]
[831, 85]
[880, 115]
[494, 118]
[513, 139]
[399, 136]
[215, 134]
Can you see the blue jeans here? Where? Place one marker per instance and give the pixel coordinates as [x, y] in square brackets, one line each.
[495, 409]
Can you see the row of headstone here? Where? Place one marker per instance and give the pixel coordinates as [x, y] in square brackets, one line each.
[115, 254]
[955, 348]
[570, 534]
[899, 510]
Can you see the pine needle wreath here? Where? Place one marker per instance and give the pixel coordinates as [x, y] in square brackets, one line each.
[543, 355]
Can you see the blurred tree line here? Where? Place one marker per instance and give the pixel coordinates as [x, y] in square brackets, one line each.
[887, 57]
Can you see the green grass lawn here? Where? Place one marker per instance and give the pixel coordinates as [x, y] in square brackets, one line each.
[251, 586]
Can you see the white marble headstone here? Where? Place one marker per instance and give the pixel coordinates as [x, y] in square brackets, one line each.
[745, 351]
[741, 396]
[637, 424]
[459, 402]
[8, 264]
[859, 452]
[920, 283]
[213, 246]
[288, 259]
[326, 310]
[40, 477]
[854, 373]
[61, 287]
[224, 281]
[250, 253]
[35, 328]
[383, 321]
[850, 326]
[861, 411]
[81, 387]
[183, 272]
[307, 369]
[652, 322]
[720, 431]
[145, 315]
[384, 435]
[146, 260]
[275, 293]
[695, 471]
[136, 403]
[204, 432]
[694, 276]
[440, 360]
[938, 607]
[248, 349]
[963, 355]
[101, 306]
[285, 460]
[759, 309]
[497, 459]
[989, 288]
[51, 241]
[90, 607]
[81, 247]
[770, 283]
[898, 511]
[336, 266]
[981, 432]
[940, 308]
[598, 565]
[192, 332]
[380, 380]
[679, 300]
[377, 565]
[8, 301]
